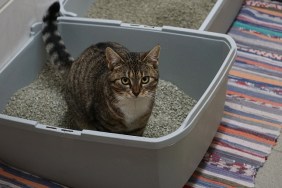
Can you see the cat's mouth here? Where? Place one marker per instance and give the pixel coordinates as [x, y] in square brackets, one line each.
[143, 96]
[134, 97]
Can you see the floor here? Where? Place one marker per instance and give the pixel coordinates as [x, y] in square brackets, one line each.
[270, 175]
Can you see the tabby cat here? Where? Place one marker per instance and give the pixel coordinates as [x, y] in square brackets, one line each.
[107, 88]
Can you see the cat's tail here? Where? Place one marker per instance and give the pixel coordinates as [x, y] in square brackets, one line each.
[54, 44]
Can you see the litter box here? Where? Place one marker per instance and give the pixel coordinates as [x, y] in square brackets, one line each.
[196, 61]
[218, 20]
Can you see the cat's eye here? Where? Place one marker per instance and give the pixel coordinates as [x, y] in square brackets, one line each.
[125, 81]
[145, 80]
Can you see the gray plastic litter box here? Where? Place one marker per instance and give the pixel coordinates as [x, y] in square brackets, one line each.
[218, 20]
[196, 61]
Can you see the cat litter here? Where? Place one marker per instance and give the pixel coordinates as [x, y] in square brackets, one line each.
[187, 14]
[43, 101]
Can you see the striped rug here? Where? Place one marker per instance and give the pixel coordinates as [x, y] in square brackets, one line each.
[14, 178]
[253, 109]
[252, 117]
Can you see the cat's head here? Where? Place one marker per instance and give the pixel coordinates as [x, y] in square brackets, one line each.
[133, 75]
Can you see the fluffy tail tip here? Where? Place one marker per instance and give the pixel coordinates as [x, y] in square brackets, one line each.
[54, 8]
[52, 12]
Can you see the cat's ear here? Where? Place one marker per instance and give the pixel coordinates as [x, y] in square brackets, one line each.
[153, 56]
[112, 58]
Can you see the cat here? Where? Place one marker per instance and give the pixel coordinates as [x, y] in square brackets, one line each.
[107, 88]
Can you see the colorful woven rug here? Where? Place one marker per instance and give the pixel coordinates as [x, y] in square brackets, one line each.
[14, 178]
[252, 117]
[253, 109]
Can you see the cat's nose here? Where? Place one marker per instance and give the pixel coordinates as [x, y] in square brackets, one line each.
[135, 89]
[136, 93]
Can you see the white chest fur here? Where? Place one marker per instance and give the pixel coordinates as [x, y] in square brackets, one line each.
[134, 108]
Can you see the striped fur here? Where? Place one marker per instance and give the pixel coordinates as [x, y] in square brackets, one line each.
[54, 44]
[107, 88]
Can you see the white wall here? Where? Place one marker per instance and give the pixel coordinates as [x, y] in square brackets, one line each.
[16, 18]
